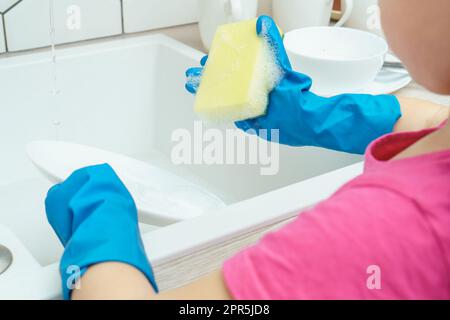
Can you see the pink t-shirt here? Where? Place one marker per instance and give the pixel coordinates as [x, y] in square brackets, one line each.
[385, 235]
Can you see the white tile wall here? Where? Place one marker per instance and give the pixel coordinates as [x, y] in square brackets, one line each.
[28, 23]
[2, 38]
[99, 18]
[142, 15]
[6, 4]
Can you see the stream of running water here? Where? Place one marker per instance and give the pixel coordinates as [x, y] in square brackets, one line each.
[55, 91]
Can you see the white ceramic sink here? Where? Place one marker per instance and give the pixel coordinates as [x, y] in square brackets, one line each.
[127, 95]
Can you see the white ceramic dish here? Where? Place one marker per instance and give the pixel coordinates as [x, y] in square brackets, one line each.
[162, 198]
[386, 82]
[391, 57]
[337, 59]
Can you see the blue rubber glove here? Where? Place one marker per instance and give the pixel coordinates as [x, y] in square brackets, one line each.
[348, 122]
[95, 218]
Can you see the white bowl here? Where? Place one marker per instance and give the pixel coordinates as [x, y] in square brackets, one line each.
[339, 60]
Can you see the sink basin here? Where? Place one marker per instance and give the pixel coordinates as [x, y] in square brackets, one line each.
[126, 95]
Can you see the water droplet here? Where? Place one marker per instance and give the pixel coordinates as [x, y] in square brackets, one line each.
[55, 92]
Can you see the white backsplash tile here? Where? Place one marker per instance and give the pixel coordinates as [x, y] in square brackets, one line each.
[28, 23]
[6, 4]
[99, 18]
[2, 38]
[140, 15]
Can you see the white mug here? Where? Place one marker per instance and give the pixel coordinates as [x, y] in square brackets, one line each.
[365, 16]
[214, 13]
[295, 14]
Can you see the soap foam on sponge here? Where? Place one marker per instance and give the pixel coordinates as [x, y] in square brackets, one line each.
[240, 73]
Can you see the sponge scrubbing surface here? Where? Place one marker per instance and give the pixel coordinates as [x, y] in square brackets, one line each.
[240, 73]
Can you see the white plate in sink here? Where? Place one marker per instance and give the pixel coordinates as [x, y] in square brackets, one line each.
[161, 197]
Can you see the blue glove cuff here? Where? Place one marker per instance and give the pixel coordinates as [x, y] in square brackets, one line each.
[105, 246]
[350, 122]
[346, 123]
[96, 219]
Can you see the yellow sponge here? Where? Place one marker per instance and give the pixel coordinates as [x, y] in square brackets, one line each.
[238, 76]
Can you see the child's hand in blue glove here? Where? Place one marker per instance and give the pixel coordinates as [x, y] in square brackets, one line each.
[347, 122]
[95, 218]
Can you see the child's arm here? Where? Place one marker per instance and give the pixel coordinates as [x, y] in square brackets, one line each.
[419, 114]
[348, 122]
[113, 281]
[95, 218]
[110, 281]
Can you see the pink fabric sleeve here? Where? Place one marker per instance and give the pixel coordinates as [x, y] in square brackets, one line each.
[326, 252]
